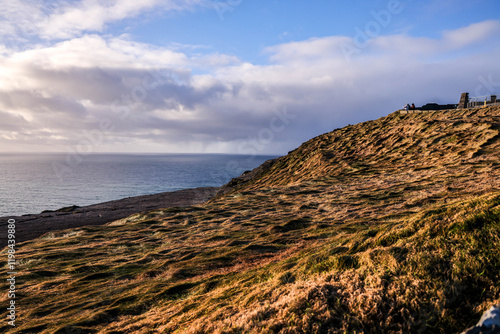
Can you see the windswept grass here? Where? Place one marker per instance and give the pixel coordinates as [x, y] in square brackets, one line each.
[387, 226]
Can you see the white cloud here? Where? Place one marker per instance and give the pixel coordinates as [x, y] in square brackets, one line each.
[92, 51]
[314, 48]
[49, 95]
[91, 15]
[49, 19]
[472, 34]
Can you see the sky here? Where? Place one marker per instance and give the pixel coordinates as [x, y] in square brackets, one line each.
[229, 76]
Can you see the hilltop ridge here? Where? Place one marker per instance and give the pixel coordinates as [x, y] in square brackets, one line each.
[391, 225]
[411, 141]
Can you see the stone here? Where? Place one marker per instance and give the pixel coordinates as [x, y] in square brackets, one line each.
[464, 101]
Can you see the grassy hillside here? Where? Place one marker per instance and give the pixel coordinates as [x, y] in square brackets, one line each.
[391, 225]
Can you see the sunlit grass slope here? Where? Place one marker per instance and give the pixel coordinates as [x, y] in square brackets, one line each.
[391, 225]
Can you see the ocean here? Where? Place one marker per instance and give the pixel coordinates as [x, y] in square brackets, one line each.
[31, 183]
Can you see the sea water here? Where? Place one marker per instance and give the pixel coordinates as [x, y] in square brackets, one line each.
[31, 183]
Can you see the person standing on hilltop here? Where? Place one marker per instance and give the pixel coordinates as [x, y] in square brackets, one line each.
[413, 106]
[407, 107]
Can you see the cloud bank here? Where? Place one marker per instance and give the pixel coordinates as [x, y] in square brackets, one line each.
[60, 19]
[124, 96]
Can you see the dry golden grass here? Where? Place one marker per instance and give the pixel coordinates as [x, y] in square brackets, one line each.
[387, 226]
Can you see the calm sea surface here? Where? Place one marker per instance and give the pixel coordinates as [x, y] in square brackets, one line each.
[36, 182]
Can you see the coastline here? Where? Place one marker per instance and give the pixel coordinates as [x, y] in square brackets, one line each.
[32, 226]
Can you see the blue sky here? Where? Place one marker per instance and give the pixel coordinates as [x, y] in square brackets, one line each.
[229, 76]
[244, 28]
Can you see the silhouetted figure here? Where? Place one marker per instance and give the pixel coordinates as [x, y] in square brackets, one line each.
[413, 106]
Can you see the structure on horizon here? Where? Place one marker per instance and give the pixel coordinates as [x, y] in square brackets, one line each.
[466, 102]
[476, 102]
